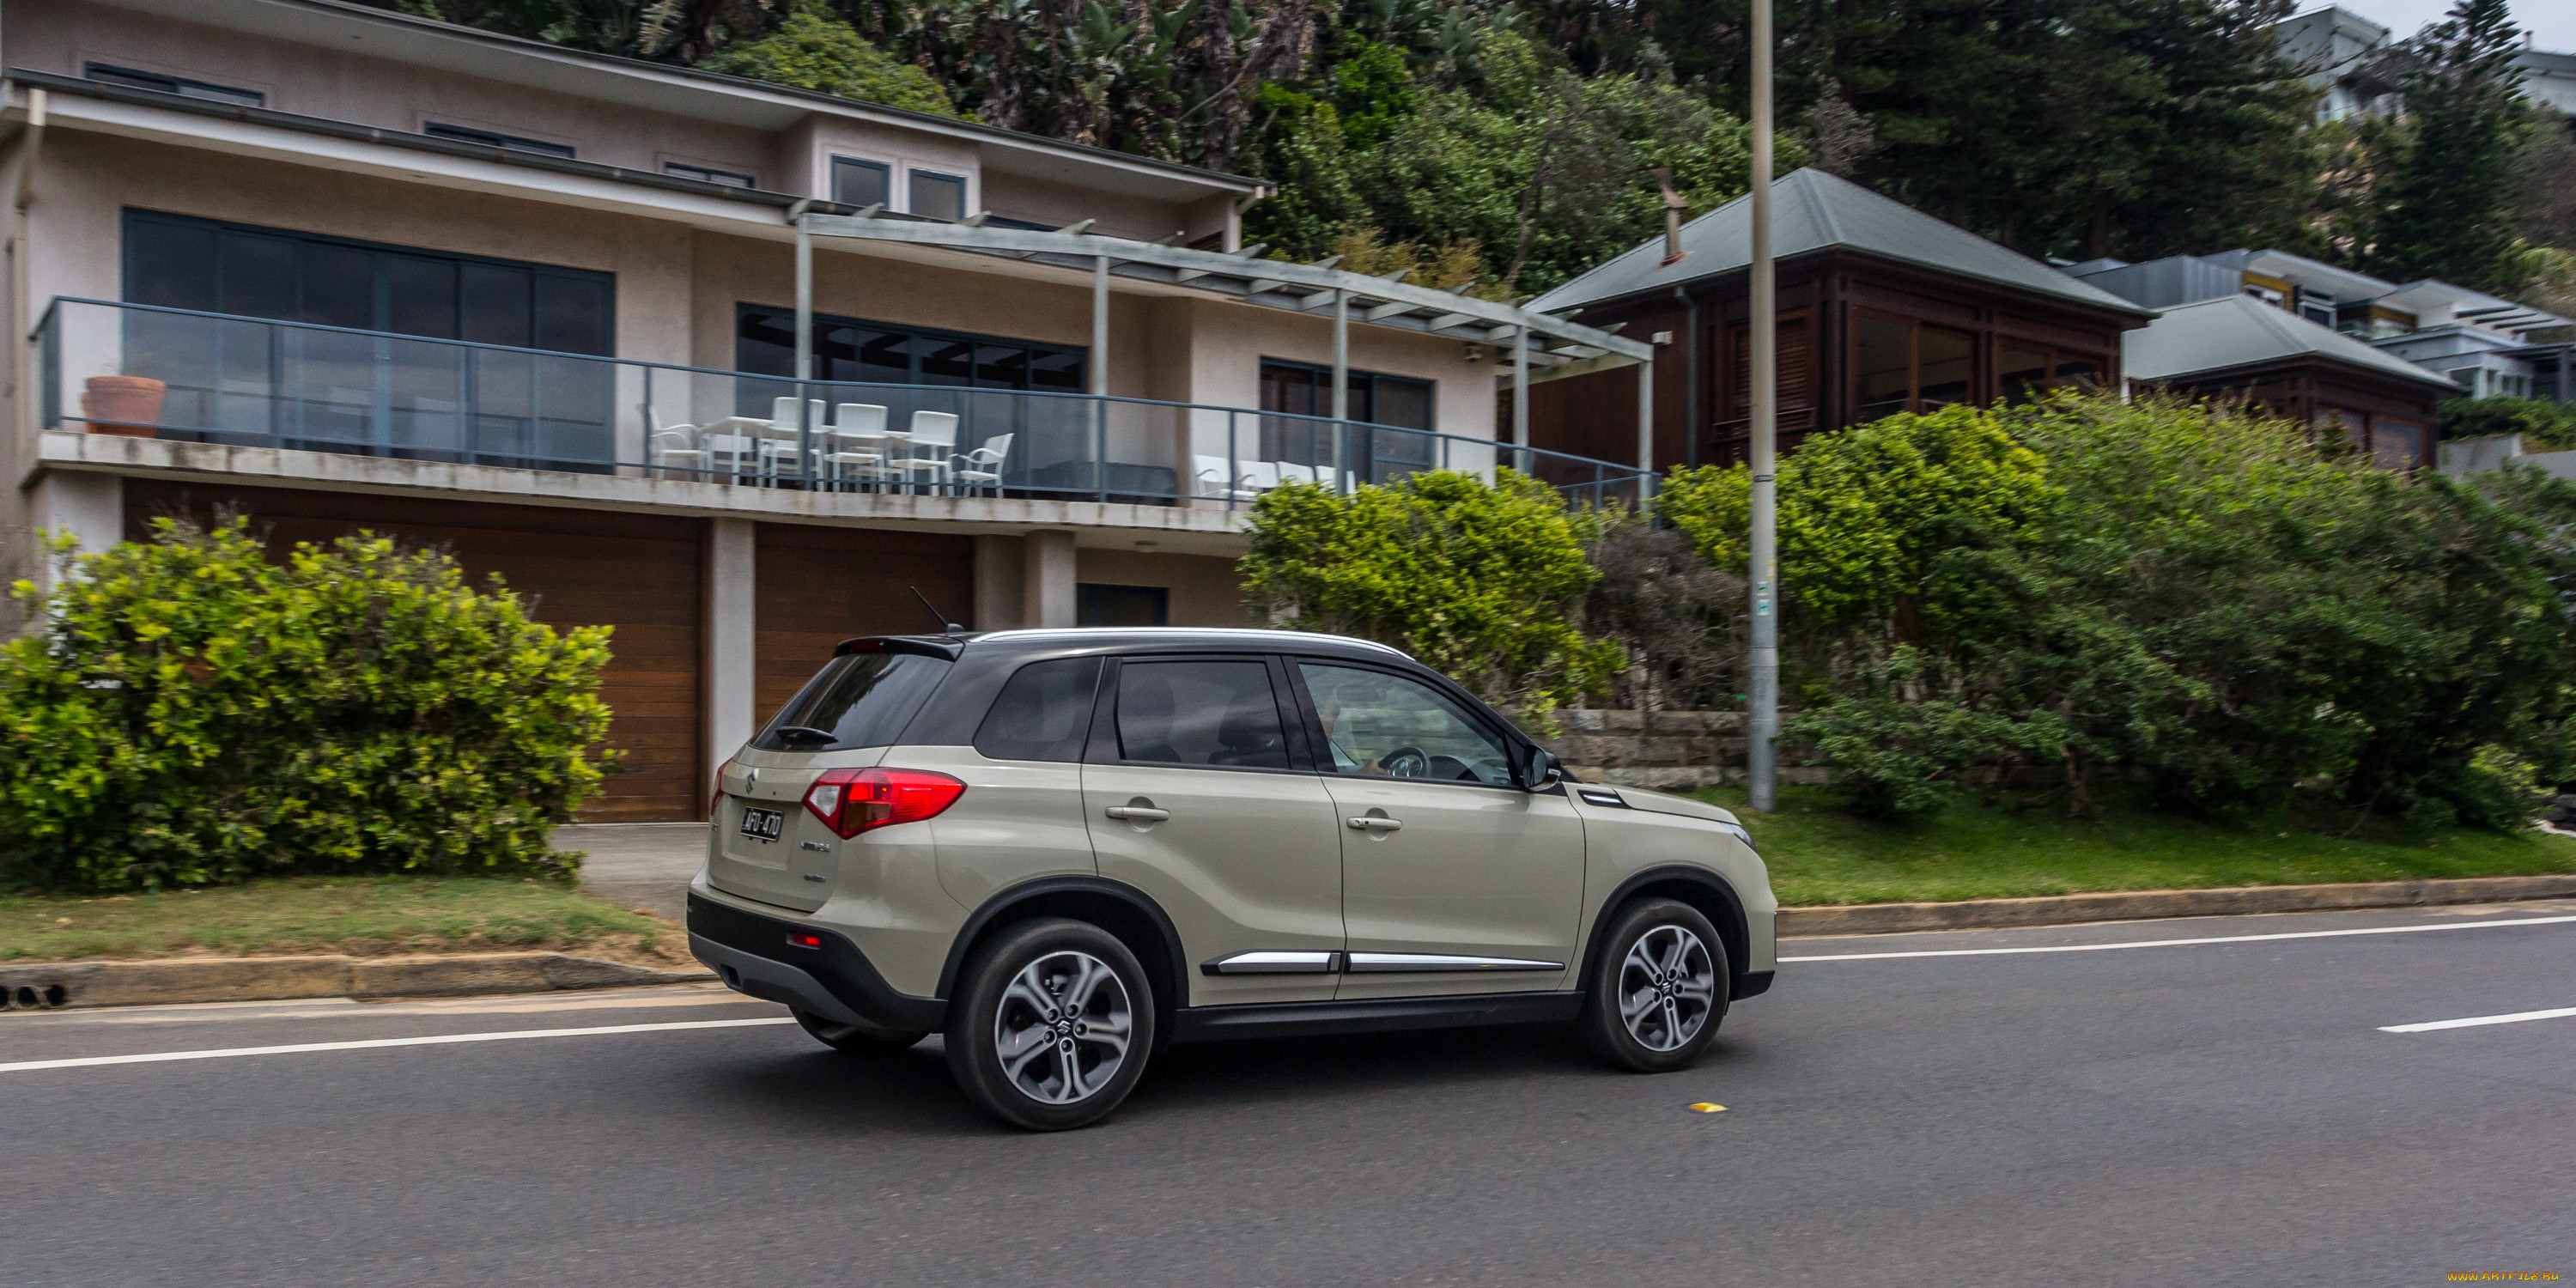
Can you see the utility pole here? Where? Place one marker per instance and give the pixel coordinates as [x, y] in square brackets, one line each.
[1763, 441]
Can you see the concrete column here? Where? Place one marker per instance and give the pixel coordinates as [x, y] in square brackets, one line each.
[1000, 583]
[91, 507]
[1047, 588]
[731, 564]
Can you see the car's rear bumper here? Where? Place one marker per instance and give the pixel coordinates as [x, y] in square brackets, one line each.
[751, 952]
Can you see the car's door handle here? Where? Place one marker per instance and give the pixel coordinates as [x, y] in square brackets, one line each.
[1138, 813]
[1377, 824]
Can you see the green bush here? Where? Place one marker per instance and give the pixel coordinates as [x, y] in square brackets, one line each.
[1480, 581]
[2544, 426]
[2206, 603]
[189, 713]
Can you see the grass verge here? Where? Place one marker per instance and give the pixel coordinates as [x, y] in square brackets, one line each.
[361, 916]
[1819, 854]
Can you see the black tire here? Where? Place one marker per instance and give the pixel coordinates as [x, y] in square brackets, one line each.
[1027, 1087]
[1704, 978]
[854, 1039]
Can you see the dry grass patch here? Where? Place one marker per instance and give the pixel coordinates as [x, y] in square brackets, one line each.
[360, 916]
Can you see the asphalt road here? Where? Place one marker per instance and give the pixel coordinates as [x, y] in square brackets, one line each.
[2194, 1114]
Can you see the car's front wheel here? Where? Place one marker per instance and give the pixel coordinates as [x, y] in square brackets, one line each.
[1051, 1025]
[1658, 989]
[852, 1039]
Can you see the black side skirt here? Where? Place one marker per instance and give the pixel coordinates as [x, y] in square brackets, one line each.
[1377, 1015]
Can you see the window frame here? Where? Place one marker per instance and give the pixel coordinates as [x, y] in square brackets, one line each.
[1516, 745]
[912, 177]
[743, 310]
[884, 171]
[1981, 361]
[1323, 388]
[709, 174]
[495, 139]
[179, 85]
[129, 216]
[1103, 747]
[1084, 593]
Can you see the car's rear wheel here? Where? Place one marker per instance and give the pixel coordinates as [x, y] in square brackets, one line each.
[854, 1039]
[1051, 1025]
[1658, 988]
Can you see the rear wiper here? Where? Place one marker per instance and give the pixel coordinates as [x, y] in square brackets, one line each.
[806, 733]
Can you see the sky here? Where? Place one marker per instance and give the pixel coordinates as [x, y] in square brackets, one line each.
[2552, 23]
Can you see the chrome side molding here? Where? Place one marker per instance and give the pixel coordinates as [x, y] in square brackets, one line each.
[1285, 962]
[1275, 962]
[1412, 963]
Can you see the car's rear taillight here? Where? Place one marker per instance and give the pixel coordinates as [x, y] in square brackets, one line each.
[851, 801]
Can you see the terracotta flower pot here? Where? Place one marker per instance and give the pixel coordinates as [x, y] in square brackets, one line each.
[128, 405]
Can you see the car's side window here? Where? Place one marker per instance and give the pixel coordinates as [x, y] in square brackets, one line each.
[1218, 714]
[1044, 712]
[1389, 726]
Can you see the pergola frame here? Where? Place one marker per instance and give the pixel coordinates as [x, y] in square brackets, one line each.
[1307, 289]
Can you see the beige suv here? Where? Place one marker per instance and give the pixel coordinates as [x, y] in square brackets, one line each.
[1064, 849]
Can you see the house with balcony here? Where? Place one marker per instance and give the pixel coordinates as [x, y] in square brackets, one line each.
[2484, 345]
[734, 368]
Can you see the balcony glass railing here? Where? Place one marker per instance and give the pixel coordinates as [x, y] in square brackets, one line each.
[212, 378]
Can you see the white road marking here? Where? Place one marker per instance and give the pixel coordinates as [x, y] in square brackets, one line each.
[2174, 943]
[2562, 1013]
[440, 1039]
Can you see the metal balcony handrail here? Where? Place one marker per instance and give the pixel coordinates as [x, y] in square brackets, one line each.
[1605, 476]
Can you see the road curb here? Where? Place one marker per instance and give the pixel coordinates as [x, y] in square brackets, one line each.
[51, 985]
[2135, 905]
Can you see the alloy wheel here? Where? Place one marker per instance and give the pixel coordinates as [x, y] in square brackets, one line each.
[1063, 1027]
[1667, 988]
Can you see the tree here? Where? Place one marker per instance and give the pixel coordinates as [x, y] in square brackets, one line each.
[1480, 581]
[815, 51]
[2448, 198]
[2139, 128]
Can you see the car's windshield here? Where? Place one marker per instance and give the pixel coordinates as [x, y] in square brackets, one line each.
[856, 700]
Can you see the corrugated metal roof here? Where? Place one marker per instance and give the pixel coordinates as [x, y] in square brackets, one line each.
[1812, 211]
[2241, 331]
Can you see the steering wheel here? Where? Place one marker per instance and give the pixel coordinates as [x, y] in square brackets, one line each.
[1406, 762]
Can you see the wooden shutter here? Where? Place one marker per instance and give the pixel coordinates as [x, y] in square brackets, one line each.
[1796, 366]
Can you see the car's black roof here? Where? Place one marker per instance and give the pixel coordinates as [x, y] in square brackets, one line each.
[1079, 640]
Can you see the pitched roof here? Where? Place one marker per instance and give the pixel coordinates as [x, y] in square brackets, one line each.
[1812, 211]
[2241, 331]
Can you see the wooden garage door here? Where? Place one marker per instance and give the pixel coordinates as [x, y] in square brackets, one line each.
[820, 586]
[639, 574]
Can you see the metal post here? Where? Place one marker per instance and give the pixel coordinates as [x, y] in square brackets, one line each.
[1690, 377]
[804, 335]
[1520, 393]
[1645, 424]
[1341, 389]
[1759, 770]
[1098, 364]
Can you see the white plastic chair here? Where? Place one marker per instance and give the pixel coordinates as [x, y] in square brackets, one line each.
[1213, 481]
[664, 443]
[855, 446]
[778, 443]
[983, 465]
[1292, 472]
[1261, 476]
[934, 434]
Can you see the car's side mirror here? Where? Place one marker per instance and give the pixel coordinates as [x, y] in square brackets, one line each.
[1541, 770]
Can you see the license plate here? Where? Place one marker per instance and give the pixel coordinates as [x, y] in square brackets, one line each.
[764, 824]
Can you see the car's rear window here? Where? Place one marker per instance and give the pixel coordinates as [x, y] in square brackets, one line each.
[858, 699]
[1044, 713]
